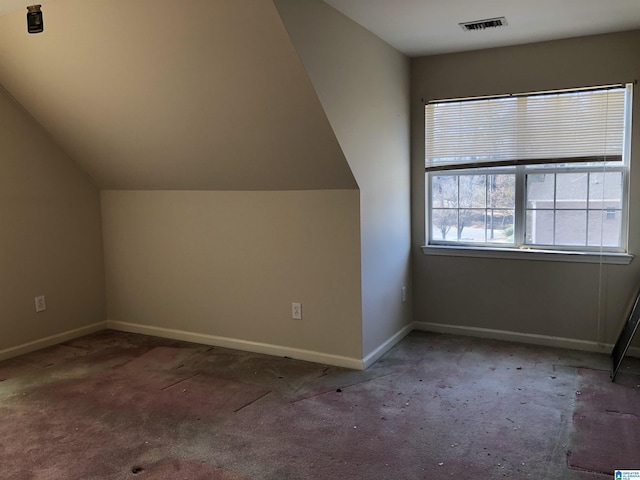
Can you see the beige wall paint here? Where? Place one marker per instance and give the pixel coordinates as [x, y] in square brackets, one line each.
[363, 85]
[50, 235]
[230, 264]
[174, 95]
[547, 298]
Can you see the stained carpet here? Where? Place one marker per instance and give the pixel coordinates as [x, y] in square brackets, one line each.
[607, 423]
[121, 406]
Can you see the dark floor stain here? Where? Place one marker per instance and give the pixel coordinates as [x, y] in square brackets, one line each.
[628, 416]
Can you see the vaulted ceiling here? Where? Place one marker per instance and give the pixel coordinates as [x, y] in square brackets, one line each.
[165, 94]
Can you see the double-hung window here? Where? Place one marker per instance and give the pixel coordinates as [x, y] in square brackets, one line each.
[540, 171]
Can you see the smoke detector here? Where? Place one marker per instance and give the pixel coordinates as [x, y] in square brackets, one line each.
[483, 24]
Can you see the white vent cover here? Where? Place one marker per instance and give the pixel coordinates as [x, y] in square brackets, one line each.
[483, 24]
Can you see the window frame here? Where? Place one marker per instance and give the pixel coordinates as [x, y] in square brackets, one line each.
[519, 249]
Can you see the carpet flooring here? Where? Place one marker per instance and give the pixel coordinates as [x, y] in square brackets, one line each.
[607, 424]
[115, 405]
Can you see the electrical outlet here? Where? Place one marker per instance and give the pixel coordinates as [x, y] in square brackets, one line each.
[41, 306]
[404, 294]
[296, 311]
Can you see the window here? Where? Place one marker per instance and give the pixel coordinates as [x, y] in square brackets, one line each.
[542, 171]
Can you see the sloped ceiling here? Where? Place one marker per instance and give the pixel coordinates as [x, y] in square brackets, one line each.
[166, 94]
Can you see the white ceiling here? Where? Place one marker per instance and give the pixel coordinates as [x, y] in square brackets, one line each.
[429, 27]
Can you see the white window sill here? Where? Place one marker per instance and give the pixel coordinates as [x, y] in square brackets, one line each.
[529, 254]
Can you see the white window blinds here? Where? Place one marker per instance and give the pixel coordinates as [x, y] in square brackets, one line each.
[550, 127]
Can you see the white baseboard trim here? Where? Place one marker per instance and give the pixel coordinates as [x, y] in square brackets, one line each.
[374, 356]
[531, 338]
[226, 342]
[309, 355]
[52, 340]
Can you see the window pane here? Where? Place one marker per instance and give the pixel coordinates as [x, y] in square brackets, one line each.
[571, 190]
[501, 191]
[568, 226]
[472, 225]
[444, 224]
[472, 190]
[444, 191]
[500, 226]
[605, 227]
[571, 227]
[540, 190]
[459, 211]
[605, 190]
[539, 227]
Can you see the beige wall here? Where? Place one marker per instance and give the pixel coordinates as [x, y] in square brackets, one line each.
[363, 85]
[577, 301]
[50, 235]
[229, 264]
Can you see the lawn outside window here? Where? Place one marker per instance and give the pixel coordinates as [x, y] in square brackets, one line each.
[535, 173]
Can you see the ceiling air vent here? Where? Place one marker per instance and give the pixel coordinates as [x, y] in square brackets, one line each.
[482, 24]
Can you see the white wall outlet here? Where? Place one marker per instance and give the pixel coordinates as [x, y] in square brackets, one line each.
[41, 306]
[404, 294]
[296, 311]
